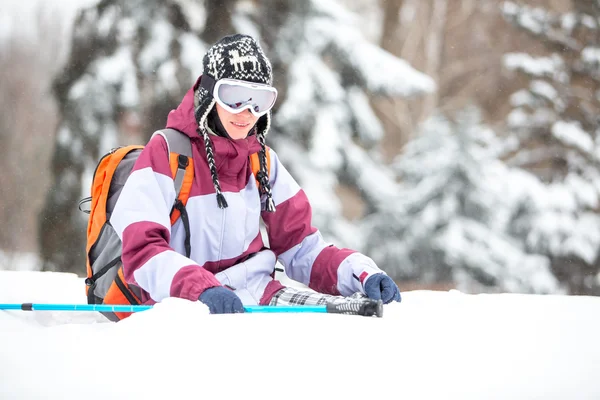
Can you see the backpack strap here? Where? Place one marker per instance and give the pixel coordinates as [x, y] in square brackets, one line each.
[179, 147]
[255, 164]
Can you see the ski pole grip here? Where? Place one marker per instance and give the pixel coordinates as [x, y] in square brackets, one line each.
[366, 308]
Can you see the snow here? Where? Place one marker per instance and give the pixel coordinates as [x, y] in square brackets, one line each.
[167, 74]
[571, 134]
[536, 66]
[376, 183]
[433, 345]
[584, 191]
[106, 21]
[368, 127]
[451, 218]
[21, 261]
[195, 12]
[325, 147]
[544, 89]
[521, 98]
[469, 244]
[157, 50]
[192, 50]
[382, 72]
[533, 20]
[589, 22]
[310, 83]
[591, 55]
[568, 21]
[562, 234]
[557, 215]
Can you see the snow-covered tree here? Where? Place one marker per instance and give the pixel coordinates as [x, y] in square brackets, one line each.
[143, 55]
[135, 55]
[556, 135]
[325, 129]
[447, 223]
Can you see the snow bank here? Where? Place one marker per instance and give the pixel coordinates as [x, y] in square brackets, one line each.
[432, 345]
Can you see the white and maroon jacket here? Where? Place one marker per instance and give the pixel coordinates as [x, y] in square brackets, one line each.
[153, 250]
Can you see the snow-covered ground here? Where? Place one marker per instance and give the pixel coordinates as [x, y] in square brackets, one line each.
[433, 345]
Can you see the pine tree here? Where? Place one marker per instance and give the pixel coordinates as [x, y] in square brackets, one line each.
[448, 222]
[325, 129]
[555, 126]
[133, 55]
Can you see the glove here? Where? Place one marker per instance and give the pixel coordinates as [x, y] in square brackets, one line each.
[381, 287]
[221, 301]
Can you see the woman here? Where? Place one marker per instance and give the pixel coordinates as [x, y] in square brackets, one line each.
[227, 116]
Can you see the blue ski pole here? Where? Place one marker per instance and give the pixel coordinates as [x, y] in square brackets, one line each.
[365, 308]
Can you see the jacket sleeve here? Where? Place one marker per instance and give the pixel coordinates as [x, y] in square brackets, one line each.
[141, 218]
[299, 246]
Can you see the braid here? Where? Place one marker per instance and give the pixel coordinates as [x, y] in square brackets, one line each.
[213, 168]
[210, 156]
[263, 175]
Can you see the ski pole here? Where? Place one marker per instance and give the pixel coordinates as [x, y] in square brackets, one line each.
[74, 307]
[364, 308]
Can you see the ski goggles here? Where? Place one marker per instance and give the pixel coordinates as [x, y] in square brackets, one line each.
[236, 96]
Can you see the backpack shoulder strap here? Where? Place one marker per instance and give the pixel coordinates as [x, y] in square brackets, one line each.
[255, 163]
[177, 142]
[179, 147]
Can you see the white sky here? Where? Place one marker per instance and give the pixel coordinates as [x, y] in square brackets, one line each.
[433, 345]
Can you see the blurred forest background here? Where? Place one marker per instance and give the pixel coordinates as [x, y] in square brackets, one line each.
[456, 142]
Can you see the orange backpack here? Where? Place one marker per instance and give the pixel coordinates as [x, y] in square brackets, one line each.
[105, 283]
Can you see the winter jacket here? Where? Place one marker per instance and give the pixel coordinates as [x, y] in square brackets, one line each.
[153, 251]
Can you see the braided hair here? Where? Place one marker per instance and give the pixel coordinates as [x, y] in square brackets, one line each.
[263, 173]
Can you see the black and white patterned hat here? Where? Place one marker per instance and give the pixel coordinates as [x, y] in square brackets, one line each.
[234, 57]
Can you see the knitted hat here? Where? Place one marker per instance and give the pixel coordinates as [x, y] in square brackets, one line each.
[234, 57]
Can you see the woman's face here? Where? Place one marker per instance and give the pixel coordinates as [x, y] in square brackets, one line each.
[236, 125]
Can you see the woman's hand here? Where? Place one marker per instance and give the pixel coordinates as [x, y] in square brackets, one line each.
[221, 300]
[382, 287]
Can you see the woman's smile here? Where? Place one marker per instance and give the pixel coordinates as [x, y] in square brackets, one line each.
[237, 125]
